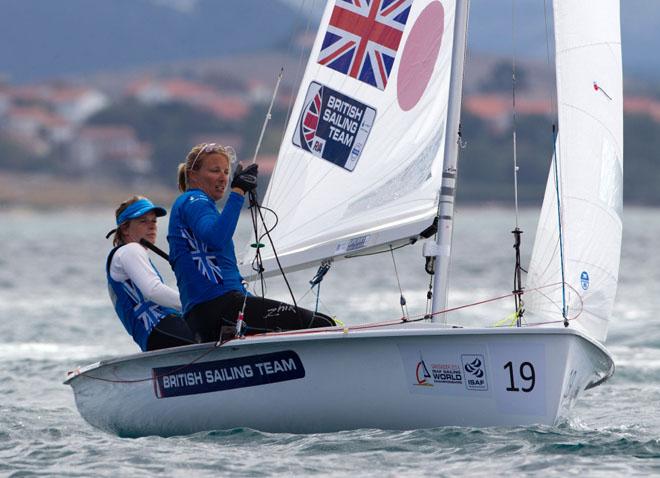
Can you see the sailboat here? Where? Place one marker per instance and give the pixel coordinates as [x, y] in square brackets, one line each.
[369, 162]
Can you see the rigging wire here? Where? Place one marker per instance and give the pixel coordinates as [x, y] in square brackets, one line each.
[254, 206]
[402, 299]
[268, 114]
[555, 164]
[561, 236]
[256, 214]
[517, 232]
[317, 279]
[513, 101]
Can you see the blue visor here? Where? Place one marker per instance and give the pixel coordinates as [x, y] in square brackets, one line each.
[140, 208]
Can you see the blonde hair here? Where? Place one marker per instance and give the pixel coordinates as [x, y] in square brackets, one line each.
[195, 160]
[119, 239]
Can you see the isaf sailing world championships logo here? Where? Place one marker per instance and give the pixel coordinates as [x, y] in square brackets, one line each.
[440, 373]
[471, 372]
[422, 373]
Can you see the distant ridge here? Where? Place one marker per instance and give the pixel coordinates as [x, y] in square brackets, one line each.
[58, 38]
[42, 39]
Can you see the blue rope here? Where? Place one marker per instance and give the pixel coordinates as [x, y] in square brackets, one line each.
[561, 236]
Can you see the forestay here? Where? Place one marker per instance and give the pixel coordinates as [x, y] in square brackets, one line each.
[361, 159]
[589, 155]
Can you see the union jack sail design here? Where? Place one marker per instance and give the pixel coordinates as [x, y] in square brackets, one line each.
[363, 37]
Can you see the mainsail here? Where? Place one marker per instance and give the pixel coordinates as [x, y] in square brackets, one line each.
[589, 162]
[360, 162]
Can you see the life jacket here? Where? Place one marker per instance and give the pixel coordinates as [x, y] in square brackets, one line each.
[138, 315]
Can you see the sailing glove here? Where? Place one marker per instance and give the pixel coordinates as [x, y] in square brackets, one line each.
[245, 179]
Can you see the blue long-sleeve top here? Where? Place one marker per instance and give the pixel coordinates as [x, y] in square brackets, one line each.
[201, 247]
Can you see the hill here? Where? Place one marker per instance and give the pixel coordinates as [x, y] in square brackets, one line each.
[46, 38]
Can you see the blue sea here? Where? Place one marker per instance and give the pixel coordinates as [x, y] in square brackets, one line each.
[55, 315]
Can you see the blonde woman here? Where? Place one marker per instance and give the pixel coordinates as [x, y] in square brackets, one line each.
[202, 251]
[148, 309]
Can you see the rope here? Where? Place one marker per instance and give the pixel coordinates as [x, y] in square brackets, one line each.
[402, 299]
[267, 232]
[317, 279]
[341, 329]
[154, 377]
[429, 297]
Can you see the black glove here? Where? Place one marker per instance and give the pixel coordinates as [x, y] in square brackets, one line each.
[245, 179]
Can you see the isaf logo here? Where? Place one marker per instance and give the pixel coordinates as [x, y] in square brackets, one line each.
[584, 280]
[474, 366]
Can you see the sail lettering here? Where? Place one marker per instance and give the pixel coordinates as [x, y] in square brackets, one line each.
[341, 121]
[333, 126]
[345, 108]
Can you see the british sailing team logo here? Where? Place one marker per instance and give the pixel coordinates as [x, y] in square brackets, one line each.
[333, 126]
[422, 373]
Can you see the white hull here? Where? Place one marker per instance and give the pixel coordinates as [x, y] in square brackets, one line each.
[409, 377]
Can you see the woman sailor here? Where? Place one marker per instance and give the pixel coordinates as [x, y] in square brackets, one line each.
[149, 309]
[203, 257]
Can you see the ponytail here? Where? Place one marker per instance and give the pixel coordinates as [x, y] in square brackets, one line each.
[181, 177]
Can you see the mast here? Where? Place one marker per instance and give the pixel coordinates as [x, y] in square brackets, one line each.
[442, 250]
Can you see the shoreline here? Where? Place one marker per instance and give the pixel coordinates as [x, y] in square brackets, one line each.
[42, 192]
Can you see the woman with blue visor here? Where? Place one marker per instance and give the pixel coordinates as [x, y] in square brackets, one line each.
[148, 309]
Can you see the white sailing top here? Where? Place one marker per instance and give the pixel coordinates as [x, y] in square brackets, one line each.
[132, 262]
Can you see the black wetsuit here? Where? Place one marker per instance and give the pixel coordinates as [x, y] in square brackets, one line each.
[211, 318]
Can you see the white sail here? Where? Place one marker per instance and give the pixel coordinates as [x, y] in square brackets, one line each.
[589, 155]
[361, 159]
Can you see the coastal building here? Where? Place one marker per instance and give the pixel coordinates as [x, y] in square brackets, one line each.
[110, 149]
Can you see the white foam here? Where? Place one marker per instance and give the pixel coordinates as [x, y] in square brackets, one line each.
[646, 358]
[50, 351]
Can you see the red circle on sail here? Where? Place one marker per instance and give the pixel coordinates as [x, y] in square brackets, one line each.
[419, 55]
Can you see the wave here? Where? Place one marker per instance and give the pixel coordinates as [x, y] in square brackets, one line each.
[57, 352]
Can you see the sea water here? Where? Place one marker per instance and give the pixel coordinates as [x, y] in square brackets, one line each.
[55, 314]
